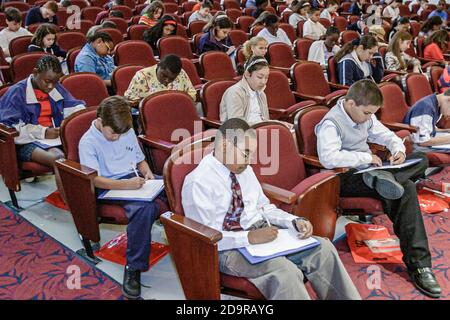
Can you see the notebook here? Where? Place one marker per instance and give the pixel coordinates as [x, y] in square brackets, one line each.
[149, 191]
[48, 143]
[285, 243]
[386, 165]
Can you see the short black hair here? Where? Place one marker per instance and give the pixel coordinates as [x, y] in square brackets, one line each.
[100, 35]
[271, 19]
[233, 130]
[12, 14]
[48, 62]
[172, 63]
[207, 4]
[332, 30]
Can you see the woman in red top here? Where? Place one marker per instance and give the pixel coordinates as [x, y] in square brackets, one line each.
[436, 45]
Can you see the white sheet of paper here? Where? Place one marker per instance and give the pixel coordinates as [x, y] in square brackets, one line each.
[407, 163]
[149, 190]
[286, 240]
[442, 146]
[51, 142]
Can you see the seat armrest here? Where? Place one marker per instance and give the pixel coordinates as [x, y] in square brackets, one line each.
[156, 143]
[9, 166]
[79, 189]
[396, 126]
[195, 245]
[8, 131]
[302, 96]
[211, 123]
[314, 162]
[278, 194]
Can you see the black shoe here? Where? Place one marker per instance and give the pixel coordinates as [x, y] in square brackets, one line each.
[425, 281]
[131, 287]
[384, 183]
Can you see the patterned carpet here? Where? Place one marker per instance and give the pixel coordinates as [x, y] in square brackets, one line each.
[35, 266]
[395, 284]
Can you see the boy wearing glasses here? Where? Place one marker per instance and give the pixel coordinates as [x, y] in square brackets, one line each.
[224, 194]
[96, 57]
[110, 146]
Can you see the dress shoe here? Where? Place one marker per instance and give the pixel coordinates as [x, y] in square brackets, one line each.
[384, 183]
[131, 287]
[425, 281]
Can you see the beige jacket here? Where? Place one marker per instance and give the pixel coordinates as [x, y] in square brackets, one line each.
[236, 102]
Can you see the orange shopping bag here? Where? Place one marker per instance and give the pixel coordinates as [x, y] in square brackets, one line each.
[370, 243]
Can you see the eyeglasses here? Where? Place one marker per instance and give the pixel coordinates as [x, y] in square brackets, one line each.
[108, 47]
[246, 154]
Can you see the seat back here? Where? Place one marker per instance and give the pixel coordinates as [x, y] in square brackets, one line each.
[136, 31]
[436, 73]
[84, 26]
[290, 31]
[175, 45]
[216, 65]
[21, 6]
[170, 7]
[332, 71]
[22, 65]
[164, 112]
[349, 35]
[211, 96]
[415, 28]
[340, 23]
[233, 14]
[127, 12]
[19, 45]
[121, 77]
[230, 4]
[90, 13]
[255, 30]
[278, 92]
[33, 27]
[275, 142]
[325, 22]
[245, 22]
[280, 55]
[70, 40]
[238, 37]
[73, 128]
[93, 90]
[302, 73]
[121, 23]
[305, 121]
[135, 52]
[116, 35]
[302, 46]
[3, 90]
[196, 26]
[394, 107]
[79, 3]
[417, 87]
[71, 57]
[191, 70]
[300, 28]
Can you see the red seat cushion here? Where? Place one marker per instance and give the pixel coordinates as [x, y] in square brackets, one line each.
[241, 284]
[35, 168]
[436, 158]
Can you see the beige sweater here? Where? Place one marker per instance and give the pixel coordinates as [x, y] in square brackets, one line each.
[236, 102]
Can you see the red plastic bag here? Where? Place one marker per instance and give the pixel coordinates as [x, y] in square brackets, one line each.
[56, 200]
[383, 248]
[115, 251]
[431, 203]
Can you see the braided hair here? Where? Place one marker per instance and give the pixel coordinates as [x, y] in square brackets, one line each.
[48, 62]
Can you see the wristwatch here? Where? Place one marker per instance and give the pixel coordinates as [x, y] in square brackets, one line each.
[294, 222]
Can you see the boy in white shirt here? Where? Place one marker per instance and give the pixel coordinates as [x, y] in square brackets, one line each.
[313, 29]
[392, 11]
[14, 29]
[331, 11]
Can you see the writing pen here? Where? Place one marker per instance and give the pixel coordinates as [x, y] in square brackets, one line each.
[134, 169]
[265, 217]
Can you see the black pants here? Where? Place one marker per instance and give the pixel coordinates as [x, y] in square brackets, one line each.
[404, 212]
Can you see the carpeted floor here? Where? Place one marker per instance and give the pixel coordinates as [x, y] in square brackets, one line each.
[395, 282]
[35, 266]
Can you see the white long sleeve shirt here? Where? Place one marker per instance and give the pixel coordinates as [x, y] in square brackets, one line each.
[206, 197]
[329, 144]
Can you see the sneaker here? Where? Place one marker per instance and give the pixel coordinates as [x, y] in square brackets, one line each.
[131, 287]
[384, 183]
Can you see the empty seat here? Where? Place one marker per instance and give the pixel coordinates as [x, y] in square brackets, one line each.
[216, 65]
[93, 90]
[69, 40]
[177, 45]
[121, 77]
[135, 52]
[22, 65]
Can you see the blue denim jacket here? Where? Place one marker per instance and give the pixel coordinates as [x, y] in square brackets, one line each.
[89, 61]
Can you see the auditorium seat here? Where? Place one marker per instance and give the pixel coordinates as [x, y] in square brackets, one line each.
[136, 52]
[121, 77]
[93, 90]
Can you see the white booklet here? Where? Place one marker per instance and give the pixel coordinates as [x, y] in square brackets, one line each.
[286, 240]
[149, 191]
[48, 143]
[441, 146]
[386, 165]
[383, 245]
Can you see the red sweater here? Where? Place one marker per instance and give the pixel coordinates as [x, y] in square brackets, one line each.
[432, 51]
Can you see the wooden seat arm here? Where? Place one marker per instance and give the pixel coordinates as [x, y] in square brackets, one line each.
[314, 162]
[78, 185]
[211, 123]
[396, 126]
[275, 193]
[194, 250]
[9, 167]
[302, 96]
[157, 144]
[9, 132]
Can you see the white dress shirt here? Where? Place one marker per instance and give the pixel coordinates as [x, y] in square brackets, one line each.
[329, 144]
[313, 29]
[254, 113]
[280, 37]
[206, 197]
